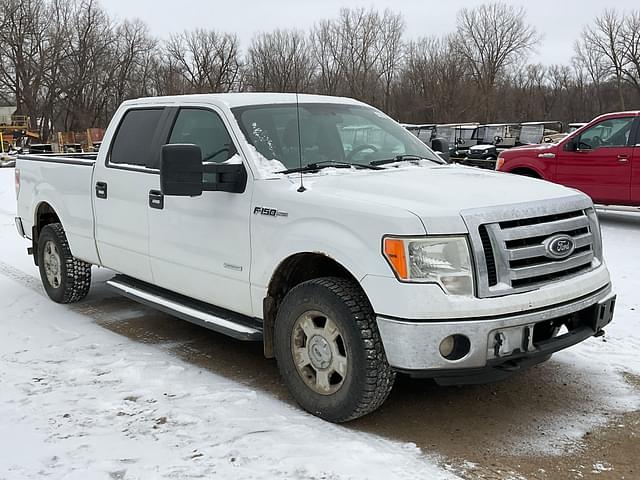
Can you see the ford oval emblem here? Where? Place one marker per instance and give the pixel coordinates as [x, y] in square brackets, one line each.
[559, 246]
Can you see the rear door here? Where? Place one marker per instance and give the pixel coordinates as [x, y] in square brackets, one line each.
[601, 164]
[121, 188]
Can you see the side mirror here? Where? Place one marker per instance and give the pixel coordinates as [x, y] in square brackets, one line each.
[181, 170]
[225, 177]
[441, 147]
[571, 145]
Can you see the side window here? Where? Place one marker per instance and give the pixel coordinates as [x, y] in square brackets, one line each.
[205, 129]
[608, 133]
[132, 142]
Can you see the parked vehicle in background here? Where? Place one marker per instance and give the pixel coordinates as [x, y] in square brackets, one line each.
[459, 137]
[425, 132]
[572, 127]
[259, 216]
[602, 159]
[533, 133]
[492, 139]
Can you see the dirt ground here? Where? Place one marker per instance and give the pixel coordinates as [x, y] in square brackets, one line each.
[506, 430]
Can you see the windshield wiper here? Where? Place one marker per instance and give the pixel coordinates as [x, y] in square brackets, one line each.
[315, 166]
[403, 158]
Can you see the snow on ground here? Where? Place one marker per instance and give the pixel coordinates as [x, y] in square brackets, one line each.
[80, 402]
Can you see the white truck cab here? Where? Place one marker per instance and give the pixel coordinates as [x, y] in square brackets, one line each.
[324, 229]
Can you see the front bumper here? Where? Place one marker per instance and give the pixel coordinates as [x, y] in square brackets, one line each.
[502, 342]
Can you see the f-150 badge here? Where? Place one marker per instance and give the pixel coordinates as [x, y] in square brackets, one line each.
[269, 212]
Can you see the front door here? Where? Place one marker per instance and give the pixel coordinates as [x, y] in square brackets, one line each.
[600, 166]
[199, 246]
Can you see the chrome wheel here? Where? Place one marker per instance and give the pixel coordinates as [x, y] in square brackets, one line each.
[52, 264]
[319, 352]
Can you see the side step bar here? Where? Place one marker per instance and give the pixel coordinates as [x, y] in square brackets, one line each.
[214, 318]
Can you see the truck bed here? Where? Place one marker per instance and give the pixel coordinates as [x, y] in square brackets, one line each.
[66, 182]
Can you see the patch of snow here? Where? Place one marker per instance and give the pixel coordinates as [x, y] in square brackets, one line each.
[234, 160]
[78, 401]
[601, 467]
[266, 168]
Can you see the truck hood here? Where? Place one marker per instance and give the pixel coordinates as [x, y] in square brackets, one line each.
[540, 148]
[436, 194]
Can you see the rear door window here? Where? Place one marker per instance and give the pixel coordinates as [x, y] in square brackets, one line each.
[133, 142]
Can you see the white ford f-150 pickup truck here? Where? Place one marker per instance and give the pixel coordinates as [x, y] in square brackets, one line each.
[322, 228]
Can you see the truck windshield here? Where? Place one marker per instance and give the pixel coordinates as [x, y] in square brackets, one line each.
[328, 133]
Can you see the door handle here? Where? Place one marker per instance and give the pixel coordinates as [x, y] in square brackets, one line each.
[156, 199]
[101, 190]
[623, 158]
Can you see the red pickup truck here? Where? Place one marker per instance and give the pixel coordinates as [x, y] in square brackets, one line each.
[602, 159]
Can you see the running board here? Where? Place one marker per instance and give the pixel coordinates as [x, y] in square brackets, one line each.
[214, 318]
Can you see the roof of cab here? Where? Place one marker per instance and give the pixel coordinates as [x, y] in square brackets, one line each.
[232, 100]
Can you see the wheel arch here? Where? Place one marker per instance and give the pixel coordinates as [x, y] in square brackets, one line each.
[526, 171]
[294, 270]
[44, 214]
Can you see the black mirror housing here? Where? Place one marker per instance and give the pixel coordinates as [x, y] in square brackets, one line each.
[442, 146]
[571, 145]
[181, 170]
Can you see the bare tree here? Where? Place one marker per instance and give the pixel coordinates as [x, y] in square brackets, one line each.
[435, 88]
[606, 40]
[209, 60]
[490, 38]
[326, 50]
[631, 41]
[279, 62]
[23, 53]
[591, 62]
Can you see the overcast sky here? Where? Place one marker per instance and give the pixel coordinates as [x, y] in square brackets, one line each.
[559, 21]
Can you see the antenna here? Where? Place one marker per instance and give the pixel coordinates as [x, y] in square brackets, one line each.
[301, 187]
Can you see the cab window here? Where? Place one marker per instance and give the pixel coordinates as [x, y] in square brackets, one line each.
[614, 132]
[203, 128]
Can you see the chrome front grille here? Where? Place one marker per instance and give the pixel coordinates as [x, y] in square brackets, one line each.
[510, 244]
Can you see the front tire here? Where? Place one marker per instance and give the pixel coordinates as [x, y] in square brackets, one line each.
[65, 278]
[329, 350]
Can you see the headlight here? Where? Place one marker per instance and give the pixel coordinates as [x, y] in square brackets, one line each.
[442, 260]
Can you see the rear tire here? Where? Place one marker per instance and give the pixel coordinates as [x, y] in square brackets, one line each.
[329, 350]
[65, 278]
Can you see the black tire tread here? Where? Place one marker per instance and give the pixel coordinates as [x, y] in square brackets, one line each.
[77, 280]
[379, 375]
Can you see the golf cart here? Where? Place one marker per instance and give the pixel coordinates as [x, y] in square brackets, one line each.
[431, 137]
[533, 133]
[459, 136]
[572, 127]
[425, 132]
[491, 140]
